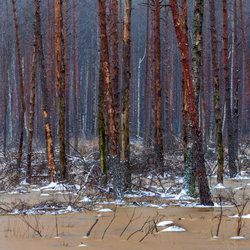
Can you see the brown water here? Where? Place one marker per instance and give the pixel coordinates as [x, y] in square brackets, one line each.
[15, 234]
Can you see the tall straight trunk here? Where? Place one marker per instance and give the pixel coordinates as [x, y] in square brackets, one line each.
[20, 150]
[45, 94]
[32, 102]
[26, 68]
[158, 99]
[67, 76]
[115, 71]
[205, 196]
[230, 135]
[166, 69]
[60, 67]
[126, 81]
[236, 82]
[7, 93]
[105, 67]
[189, 174]
[101, 118]
[215, 64]
[75, 74]
[146, 80]
[246, 65]
[197, 48]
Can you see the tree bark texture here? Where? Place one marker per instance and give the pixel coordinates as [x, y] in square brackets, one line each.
[216, 76]
[166, 69]
[236, 83]
[205, 196]
[20, 149]
[230, 134]
[197, 48]
[118, 177]
[45, 94]
[158, 98]
[32, 102]
[67, 77]
[60, 67]
[125, 93]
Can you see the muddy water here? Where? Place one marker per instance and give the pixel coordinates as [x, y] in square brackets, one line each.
[15, 234]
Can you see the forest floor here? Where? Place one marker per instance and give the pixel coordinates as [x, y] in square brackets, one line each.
[57, 215]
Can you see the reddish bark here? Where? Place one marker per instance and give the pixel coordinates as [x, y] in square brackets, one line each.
[158, 99]
[205, 196]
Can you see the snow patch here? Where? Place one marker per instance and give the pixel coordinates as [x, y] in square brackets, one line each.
[237, 238]
[105, 210]
[174, 229]
[164, 223]
[219, 186]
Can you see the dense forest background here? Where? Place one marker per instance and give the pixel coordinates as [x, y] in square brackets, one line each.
[81, 31]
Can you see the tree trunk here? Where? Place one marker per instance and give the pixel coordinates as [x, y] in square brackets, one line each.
[7, 93]
[45, 94]
[115, 71]
[21, 87]
[236, 82]
[166, 69]
[67, 77]
[75, 74]
[246, 65]
[158, 99]
[126, 81]
[230, 135]
[146, 80]
[32, 102]
[189, 168]
[105, 67]
[205, 196]
[59, 43]
[215, 64]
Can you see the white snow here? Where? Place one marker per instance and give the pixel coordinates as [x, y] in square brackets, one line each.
[164, 223]
[219, 186]
[183, 196]
[24, 183]
[105, 210]
[82, 245]
[173, 229]
[247, 216]
[237, 238]
[85, 199]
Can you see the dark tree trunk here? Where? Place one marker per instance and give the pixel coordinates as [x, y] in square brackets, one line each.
[32, 102]
[45, 94]
[59, 43]
[20, 150]
[230, 134]
[215, 64]
[236, 83]
[158, 99]
[126, 81]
